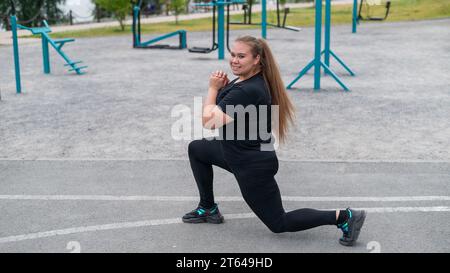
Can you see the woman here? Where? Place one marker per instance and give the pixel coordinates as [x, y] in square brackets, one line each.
[245, 151]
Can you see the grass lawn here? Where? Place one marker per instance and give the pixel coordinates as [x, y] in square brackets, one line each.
[401, 10]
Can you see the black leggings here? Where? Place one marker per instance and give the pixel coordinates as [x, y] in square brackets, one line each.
[258, 187]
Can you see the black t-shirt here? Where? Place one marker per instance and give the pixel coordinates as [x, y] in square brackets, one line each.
[249, 103]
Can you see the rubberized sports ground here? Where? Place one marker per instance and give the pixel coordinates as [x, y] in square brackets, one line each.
[89, 163]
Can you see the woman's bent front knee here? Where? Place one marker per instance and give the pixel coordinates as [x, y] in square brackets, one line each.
[194, 146]
[277, 227]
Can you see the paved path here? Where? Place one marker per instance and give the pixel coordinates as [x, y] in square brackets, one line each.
[135, 206]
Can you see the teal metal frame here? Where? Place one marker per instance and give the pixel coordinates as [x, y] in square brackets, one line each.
[264, 24]
[356, 14]
[136, 29]
[16, 54]
[327, 51]
[180, 33]
[264, 19]
[317, 61]
[46, 40]
[221, 22]
[355, 20]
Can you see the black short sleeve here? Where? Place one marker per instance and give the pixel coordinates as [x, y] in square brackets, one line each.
[236, 96]
[243, 102]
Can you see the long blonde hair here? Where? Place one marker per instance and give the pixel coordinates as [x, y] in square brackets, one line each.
[274, 82]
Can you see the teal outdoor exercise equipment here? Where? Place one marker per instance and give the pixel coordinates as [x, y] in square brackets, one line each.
[247, 20]
[45, 40]
[327, 52]
[368, 16]
[214, 45]
[219, 7]
[56, 44]
[136, 29]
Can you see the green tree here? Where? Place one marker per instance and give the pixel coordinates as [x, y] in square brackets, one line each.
[120, 9]
[32, 12]
[52, 12]
[100, 13]
[4, 12]
[177, 7]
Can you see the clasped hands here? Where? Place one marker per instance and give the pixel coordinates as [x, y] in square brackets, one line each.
[218, 80]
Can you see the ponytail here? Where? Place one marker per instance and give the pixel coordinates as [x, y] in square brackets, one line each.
[274, 83]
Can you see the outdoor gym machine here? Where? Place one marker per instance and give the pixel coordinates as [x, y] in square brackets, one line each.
[136, 28]
[248, 16]
[46, 40]
[357, 13]
[56, 44]
[317, 61]
[214, 45]
[218, 6]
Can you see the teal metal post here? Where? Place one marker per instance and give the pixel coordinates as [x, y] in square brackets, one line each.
[327, 32]
[264, 19]
[45, 54]
[327, 51]
[136, 38]
[318, 43]
[354, 16]
[183, 39]
[220, 31]
[317, 62]
[16, 54]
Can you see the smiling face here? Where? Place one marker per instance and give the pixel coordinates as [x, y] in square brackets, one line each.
[242, 61]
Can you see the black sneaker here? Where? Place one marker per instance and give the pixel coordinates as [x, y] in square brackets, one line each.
[352, 227]
[202, 215]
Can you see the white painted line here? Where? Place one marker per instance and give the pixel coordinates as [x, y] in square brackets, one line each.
[366, 198]
[67, 231]
[223, 198]
[158, 222]
[326, 160]
[99, 198]
[96, 159]
[406, 209]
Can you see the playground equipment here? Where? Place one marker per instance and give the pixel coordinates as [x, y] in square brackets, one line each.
[136, 28]
[56, 44]
[218, 6]
[368, 5]
[317, 62]
[247, 20]
[46, 40]
[214, 45]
